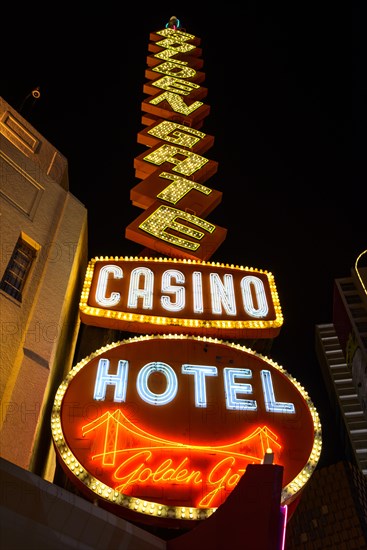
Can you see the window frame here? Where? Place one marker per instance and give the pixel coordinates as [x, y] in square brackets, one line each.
[19, 267]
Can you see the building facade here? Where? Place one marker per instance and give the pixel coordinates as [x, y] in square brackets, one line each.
[43, 259]
[341, 348]
[333, 509]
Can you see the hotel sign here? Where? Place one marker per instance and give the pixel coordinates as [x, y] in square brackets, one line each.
[167, 295]
[164, 426]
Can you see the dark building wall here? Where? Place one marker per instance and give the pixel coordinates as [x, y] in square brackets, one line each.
[332, 513]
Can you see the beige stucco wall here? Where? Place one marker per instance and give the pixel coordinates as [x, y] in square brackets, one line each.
[37, 336]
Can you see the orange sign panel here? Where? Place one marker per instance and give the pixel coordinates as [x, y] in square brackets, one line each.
[173, 168]
[165, 426]
[168, 295]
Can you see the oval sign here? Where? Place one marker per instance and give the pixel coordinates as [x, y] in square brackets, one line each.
[164, 426]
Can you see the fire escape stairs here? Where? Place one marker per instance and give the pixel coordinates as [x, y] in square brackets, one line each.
[340, 374]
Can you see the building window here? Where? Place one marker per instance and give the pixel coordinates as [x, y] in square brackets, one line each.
[18, 268]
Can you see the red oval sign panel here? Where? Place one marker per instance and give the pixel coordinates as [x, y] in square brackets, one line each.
[164, 426]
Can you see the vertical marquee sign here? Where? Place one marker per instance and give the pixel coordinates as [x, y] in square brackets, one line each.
[173, 171]
[160, 427]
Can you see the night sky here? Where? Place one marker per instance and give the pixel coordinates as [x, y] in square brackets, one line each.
[279, 82]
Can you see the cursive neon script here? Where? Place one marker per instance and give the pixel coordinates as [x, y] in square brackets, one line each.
[137, 469]
[135, 457]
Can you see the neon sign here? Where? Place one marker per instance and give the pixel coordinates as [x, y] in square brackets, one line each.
[165, 426]
[163, 295]
[174, 170]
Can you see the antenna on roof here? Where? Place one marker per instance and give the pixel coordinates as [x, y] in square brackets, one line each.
[30, 99]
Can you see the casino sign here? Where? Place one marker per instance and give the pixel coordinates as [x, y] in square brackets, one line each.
[168, 295]
[161, 428]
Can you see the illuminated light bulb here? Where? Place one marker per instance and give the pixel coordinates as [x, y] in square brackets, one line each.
[269, 456]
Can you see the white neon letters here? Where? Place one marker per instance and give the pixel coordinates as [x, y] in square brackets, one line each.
[177, 291]
[140, 292]
[222, 294]
[104, 379]
[248, 302]
[104, 274]
[270, 403]
[136, 292]
[157, 398]
[233, 388]
[200, 372]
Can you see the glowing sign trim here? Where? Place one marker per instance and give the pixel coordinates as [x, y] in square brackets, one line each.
[160, 295]
[158, 459]
[178, 232]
